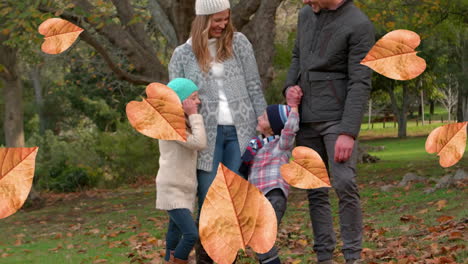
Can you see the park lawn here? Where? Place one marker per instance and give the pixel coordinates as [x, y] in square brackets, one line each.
[122, 226]
[390, 129]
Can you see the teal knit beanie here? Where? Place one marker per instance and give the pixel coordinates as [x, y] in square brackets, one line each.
[183, 87]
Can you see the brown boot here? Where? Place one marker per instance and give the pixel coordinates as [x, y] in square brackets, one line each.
[171, 258]
[179, 261]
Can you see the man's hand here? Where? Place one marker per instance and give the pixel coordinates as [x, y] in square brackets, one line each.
[190, 107]
[343, 148]
[294, 95]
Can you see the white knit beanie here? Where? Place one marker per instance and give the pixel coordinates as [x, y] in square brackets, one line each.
[208, 7]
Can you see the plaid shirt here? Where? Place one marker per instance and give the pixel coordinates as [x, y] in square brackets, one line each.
[265, 170]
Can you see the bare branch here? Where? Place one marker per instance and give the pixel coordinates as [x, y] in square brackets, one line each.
[242, 12]
[121, 74]
[161, 20]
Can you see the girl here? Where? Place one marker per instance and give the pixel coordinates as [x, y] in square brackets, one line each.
[176, 181]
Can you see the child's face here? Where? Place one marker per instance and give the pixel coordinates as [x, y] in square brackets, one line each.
[263, 125]
[194, 97]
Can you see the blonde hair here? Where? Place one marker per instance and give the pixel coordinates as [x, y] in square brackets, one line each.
[200, 35]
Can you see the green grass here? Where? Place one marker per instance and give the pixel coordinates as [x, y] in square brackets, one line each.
[121, 225]
[391, 130]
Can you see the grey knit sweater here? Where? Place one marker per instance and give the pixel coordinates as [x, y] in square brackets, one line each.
[242, 87]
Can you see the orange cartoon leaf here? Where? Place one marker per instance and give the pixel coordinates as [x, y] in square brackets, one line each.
[448, 142]
[16, 177]
[235, 214]
[59, 35]
[306, 171]
[394, 56]
[160, 116]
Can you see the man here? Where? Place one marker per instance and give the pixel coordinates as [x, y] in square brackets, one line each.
[333, 36]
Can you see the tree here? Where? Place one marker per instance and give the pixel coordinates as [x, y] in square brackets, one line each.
[123, 25]
[449, 93]
[13, 92]
[427, 18]
[462, 55]
[134, 38]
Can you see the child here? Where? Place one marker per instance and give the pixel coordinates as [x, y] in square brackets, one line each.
[176, 182]
[264, 157]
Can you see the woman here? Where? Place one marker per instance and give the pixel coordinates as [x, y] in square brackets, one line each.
[222, 64]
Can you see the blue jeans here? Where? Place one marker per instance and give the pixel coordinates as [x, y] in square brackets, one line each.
[182, 234]
[227, 152]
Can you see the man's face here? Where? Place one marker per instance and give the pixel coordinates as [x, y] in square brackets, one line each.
[318, 4]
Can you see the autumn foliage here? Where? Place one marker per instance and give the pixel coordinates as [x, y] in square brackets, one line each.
[448, 142]
[160, 116]
[16, 177]
[307, 170]
[235, 214]
[394, 56]
[59, 35]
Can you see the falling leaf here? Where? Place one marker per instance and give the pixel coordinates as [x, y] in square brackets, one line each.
[160, 116]
[235, 214]
[59, 35]
[306, 170]
[394, 56]
[449, 142]
[16, 177]
[441, 204]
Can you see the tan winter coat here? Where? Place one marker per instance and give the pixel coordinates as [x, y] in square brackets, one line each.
[176, 181]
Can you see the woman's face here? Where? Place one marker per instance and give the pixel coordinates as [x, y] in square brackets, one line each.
[219, 22]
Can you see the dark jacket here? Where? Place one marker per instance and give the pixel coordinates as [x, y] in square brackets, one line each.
[326, 65]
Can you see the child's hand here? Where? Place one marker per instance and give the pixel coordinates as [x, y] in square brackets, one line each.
[190, 107]
[293, 96]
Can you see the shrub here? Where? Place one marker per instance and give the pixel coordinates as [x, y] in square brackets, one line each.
[87, 157]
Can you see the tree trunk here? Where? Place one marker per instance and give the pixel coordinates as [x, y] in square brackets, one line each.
[35, 75]
[422, 107]
[400, 113]
[462, 109]
[13, 119]
[13, 96]
[181, 14]
[402, 124]
[462, 105]
[261, 32]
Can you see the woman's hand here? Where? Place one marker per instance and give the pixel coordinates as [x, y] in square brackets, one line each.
[190, 106]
